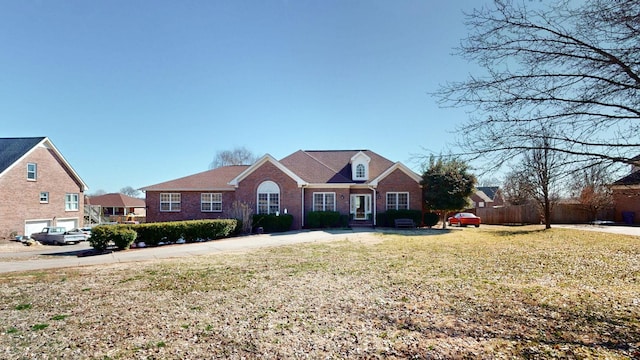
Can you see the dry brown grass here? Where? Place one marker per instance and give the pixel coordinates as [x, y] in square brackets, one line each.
[475, 293]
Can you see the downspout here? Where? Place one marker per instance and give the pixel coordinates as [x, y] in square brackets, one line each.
[375, 206]
[302, 210]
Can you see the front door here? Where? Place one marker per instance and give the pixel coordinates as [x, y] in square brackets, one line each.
[360, 206]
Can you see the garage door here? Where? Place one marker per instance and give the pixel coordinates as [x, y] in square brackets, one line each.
[34, 226]
[67, 223]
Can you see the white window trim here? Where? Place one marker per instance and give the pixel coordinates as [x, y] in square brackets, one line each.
[34, 172]
[171, 202]
[71, 204]
[324, 201]
[268, 188]
[395, 194]
[210, 201]
[44, 199]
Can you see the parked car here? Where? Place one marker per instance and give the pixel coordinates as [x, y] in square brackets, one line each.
[86, 231]
[464, 219]
[58, 235]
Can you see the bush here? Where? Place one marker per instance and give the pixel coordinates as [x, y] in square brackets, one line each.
[431, 219]
[271, 223]
[388, 218]
[99, 239]
[123, 238]
[323, 219]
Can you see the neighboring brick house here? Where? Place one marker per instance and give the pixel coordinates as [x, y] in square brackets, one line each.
[359, 183]
[626, 196]
[38, 187]
[117, 207]
[487, 196]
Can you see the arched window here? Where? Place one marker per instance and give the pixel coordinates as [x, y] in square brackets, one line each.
[268, 198]
[360, 171]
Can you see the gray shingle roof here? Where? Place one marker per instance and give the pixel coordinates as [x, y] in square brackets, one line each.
[631, 179]
[490, 191]
[12, 149]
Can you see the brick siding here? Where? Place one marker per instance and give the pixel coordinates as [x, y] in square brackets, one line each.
[290, 196]
[20, 198]
[627, 200]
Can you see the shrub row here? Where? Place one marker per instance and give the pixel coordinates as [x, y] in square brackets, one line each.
[273, 223]
[190, 231]
[326, 219]
[168, 232]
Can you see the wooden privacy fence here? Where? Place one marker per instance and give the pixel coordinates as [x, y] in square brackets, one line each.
[530, 214]
[514, 214]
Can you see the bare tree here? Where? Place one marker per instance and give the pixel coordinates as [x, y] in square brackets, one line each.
[592, 189]
[237, 156]
[129, 191]
[242, 212]
[573, 64]
[516, 188]
[97, 193]
[543, 168]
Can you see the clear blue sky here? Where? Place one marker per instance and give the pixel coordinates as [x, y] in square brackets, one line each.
[134, 93]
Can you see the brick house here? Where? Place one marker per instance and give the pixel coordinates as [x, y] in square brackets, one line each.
[626, 196]
[359, 183]
[487, 196]
[116, 207]
[38, 187]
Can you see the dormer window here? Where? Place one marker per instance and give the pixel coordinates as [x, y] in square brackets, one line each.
[360, 167]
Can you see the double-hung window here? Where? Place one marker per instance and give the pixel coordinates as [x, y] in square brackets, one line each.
[71, 202]
[268, 203]
[32, 171]
[211, 202]
[324, 201]
[397, 201]
[44, 197]
[169, 201]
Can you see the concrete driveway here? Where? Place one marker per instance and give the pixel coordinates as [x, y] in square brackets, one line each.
[614, 229]
[50, 257]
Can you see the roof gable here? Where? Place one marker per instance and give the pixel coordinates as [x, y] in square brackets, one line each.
[397, 166]
[12, 150]
[333, 166]
[266, 158]
[489, 191]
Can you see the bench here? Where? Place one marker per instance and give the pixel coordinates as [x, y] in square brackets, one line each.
[404, 223]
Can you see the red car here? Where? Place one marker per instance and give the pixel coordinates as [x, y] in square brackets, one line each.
[464, 219]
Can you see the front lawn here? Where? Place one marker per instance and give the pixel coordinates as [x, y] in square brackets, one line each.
[479, 293]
